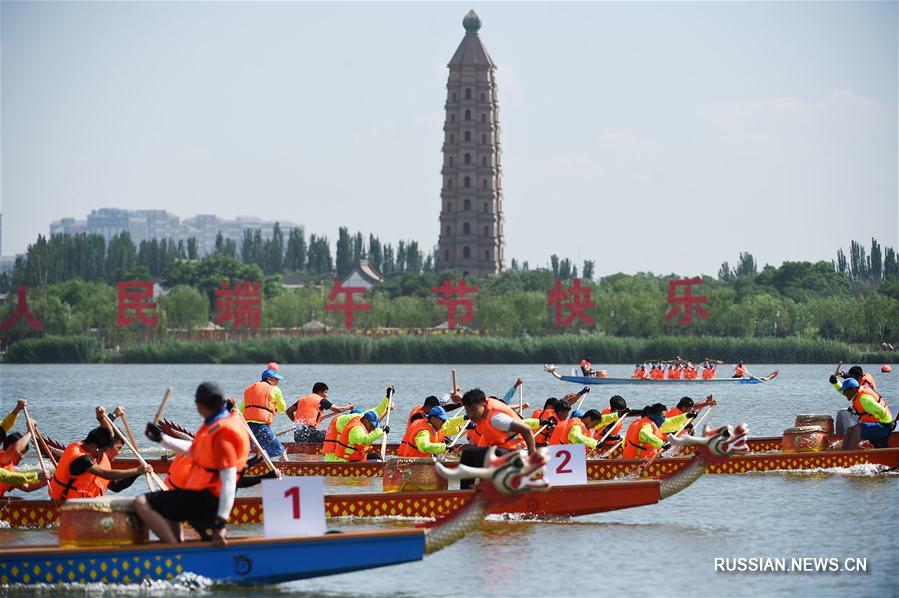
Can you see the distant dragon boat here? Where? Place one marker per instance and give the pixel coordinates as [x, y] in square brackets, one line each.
[575, 379]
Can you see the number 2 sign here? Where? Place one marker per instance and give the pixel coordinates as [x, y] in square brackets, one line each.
[567, 465]
[293, 507]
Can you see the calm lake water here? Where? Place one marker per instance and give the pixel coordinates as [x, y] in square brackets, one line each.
[664, 549]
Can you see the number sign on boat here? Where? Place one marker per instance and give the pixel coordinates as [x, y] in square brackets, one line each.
[294, 507]
[567, 465]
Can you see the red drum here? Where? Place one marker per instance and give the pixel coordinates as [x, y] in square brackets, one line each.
[409, 474]
[804, 439]
[825, 421]
[103, 521]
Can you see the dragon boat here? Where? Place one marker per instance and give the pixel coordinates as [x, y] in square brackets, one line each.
[714, 449]
[576, 379]
[258, 560]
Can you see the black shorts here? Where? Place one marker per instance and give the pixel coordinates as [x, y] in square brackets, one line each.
[197, 507]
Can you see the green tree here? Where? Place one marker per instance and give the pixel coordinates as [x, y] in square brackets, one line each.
[184, 308]
[344, 252]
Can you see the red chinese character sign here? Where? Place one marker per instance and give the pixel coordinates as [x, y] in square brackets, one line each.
[348, 307]
[135, 300]
[685, 302]
[241, 304]
[22, 311]
[460, 289]
[574, 299]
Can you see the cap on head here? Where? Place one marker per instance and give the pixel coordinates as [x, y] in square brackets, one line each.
[577, 413]
[849, 384]
[656, 408]
[438, 412]
[270, 373]
[372, 418]
[355, 410]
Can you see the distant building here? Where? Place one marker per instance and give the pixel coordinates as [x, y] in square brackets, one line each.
[145, 225]
[471, 215]
[362, 275]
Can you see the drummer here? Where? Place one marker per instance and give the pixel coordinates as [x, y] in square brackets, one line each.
[219, 450]
[15, 446]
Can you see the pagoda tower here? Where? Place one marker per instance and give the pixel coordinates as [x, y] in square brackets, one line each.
[471, 213]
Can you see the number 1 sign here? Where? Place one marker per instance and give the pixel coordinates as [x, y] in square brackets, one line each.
[567, 465]
[294, 507]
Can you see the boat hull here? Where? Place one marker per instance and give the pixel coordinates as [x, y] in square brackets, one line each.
[244, 561]
[665, 382]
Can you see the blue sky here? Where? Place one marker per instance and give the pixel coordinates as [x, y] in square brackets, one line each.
[647, 136]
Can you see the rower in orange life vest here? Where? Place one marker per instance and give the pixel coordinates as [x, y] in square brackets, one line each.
[674, 371]
[846, 418]
[576, 429]
[14, 447]
[690, 371]
[687, 405]
[307, 413]
[548, 413]
[421, 411]
[219, 450]
[339, 424]
[83, 462]
[612, 416]
[427, 436]
[639, 371]
[708, 370]
[355, 442]
[261, 401]
[646, 435]
[876, 422]
[740, 370]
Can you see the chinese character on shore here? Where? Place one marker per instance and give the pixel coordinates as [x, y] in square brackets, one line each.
[135, 297]
[460, 289]
[241, 304]
[685, 302]
[574, 299]
[348, 306]
[22, 311]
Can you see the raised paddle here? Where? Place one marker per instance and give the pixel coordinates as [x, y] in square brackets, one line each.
[134, 443]
[165, 400]
[839, 368]
[31, 430]
[136, 453]
[583, 392]
[255, 442]
[390, 392]
[455, 386]
[520, 397]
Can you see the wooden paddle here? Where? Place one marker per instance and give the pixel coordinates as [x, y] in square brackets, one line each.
[839, 368]
[165, 400]
[603, 439]
[455, 386]
[134, 443]
[583, 392]
[520, 397]
[695, 427]
[259, 449]
[136, 453]
[390, 392]
[31, 430]
[47, 450]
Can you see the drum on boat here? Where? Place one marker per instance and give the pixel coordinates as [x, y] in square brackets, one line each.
[825, 421]
[103, 521]
[408, 474]
[804, 439]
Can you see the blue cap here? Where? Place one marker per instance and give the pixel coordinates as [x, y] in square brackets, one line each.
[577, 413]
[372, 417]
[438, 412]
[849, 383]
[272, 374]
[356, 410]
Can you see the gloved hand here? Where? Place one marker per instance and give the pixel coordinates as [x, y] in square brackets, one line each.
[615, 438]
[666, 446]
[833, 379]
[470, 426]
[692, 415]
[548, 422]
[386, 429]
[389, 390]
[153, 432]
[634, 412]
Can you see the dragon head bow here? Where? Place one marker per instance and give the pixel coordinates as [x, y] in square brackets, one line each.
[716, 444]
[511, 473]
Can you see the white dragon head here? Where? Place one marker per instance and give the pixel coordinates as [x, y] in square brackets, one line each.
[512, 473]
[716, 444]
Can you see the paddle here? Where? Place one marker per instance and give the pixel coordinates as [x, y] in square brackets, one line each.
[603, 439]
[165, 400]
[136, 453]
[455, 386]
[695, 427]
[255, 442]
[47, 450]
[839, 368]
[583, 392]
[30, 426]
[134, 443]
[520, 397]
[390, 392]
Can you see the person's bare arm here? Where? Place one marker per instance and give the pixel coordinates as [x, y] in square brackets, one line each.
[291, 411]
[118, 474]
[519, 427]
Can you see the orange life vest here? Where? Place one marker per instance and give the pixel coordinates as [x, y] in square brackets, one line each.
[329, 445]
[102, 484]
[638, 372]
[690, 374]
[674, 373]
[11, 466]
[349, 452]
[419, 410]
[222, 445]
[616, 428]
[657, 374]
[473, 436]
[408, 448]
[308, 411]
[543, 437]
[64, 485]
[739, 371]
[179, 470]
[491, 436]
[864, 416]
[258, 403]
[868, 380]
[708, 373]
[586, 366]
[633, 447]
[560, 434]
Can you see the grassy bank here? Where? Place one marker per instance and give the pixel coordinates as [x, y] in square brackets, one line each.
[445, 349]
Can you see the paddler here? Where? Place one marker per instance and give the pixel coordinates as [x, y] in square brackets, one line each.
[421, 411]
[354, 443]
[861, 376]
[10, 420]
[15, 445]
[639, 371]
[261, 401]
[613, 416]
[646, 435]
[548, 413]
[740, 370]
[339, 424]
[690, 371]
[586, 367]
[875, 419]
[307, 413]
[219, 450]
[687, 405]
[427, 436]
[83, 462]
[576, 429]
[708, 370]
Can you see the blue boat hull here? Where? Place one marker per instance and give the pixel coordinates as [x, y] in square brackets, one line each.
[245, 561]
[592, 380]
